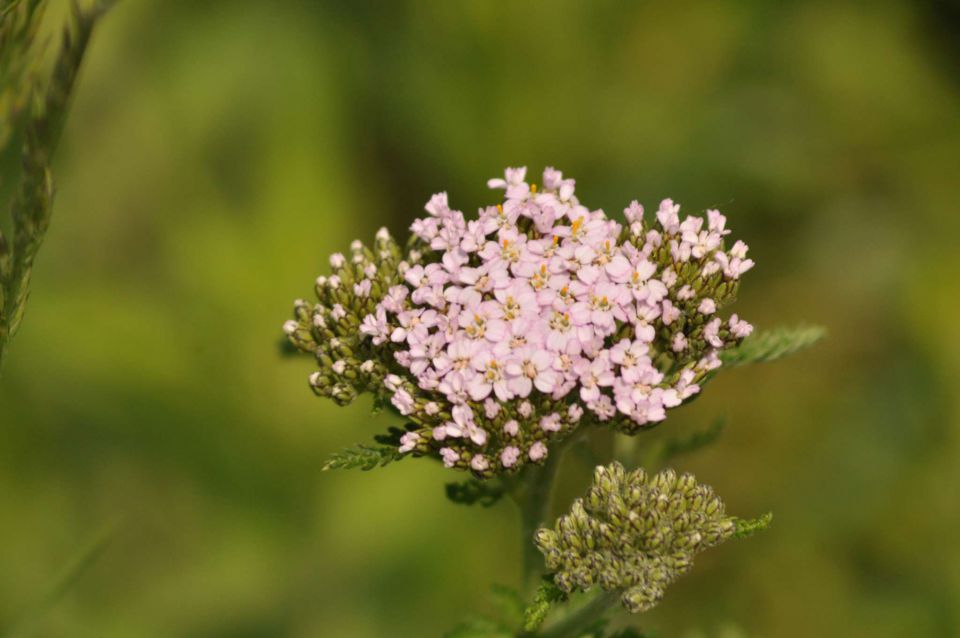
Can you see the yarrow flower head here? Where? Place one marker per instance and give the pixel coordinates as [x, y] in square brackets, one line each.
[635, 534]
[498, 335]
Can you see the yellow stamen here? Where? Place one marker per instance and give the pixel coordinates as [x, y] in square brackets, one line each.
[500, 208]
[533, 188]
[577, 223]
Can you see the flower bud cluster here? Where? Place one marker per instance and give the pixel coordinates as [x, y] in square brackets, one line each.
[634, 533]
[494, 336]
[330, 328]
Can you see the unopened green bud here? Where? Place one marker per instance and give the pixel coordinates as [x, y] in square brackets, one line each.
[635, 534]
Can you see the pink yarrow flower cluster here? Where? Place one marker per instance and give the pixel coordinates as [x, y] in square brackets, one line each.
[499, 334]
[541, 296]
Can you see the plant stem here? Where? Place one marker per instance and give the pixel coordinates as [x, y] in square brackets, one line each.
[532, 494]
[580, 620]
[534, 510]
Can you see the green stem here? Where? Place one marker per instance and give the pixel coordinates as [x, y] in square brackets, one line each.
[532, 494]
[581, 620]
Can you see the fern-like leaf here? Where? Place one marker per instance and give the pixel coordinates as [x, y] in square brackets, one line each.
[547, 596]
[364, 457]
[772, 345]
[746, 527]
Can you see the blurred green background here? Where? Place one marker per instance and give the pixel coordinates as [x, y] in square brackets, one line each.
[216, 154]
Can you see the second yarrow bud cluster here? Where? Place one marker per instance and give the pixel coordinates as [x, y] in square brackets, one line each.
[635, 533]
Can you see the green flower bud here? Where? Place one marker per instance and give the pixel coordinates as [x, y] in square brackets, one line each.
[634, 533]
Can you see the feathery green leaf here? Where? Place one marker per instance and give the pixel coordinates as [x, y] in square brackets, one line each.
[547, 596]
[364, 457]
[773, 344]
[746, 527]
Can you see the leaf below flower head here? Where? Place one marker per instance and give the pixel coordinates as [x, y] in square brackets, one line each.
[771, 345]
[364, 457]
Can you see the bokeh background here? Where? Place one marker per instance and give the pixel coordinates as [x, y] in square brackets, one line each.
[216, 154]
